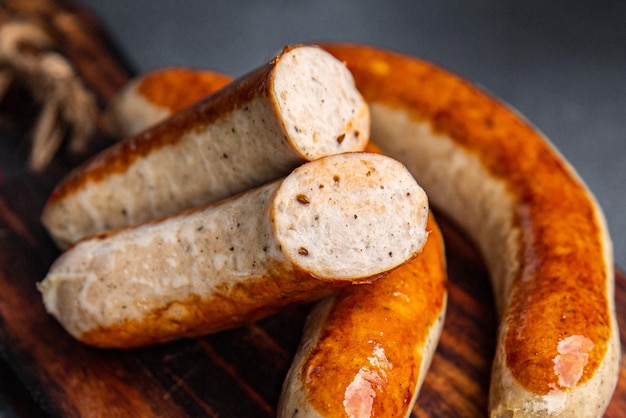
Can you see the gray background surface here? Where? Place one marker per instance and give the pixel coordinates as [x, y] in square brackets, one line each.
[560, 63]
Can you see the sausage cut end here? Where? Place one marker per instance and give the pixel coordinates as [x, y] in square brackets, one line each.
[319, 104]
[350, 216]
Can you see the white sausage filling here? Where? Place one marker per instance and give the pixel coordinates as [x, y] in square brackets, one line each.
[320, 114]
[343, 212]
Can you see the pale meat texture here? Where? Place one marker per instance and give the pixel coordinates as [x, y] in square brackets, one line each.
[237, 260]
[329, 220]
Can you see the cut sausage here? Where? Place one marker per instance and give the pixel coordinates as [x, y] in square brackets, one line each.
[301, 106]
[348, 218]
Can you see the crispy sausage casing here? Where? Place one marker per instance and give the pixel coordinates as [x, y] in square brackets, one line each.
[540, 230]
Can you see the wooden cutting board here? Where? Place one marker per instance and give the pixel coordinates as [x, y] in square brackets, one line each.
[236, 373]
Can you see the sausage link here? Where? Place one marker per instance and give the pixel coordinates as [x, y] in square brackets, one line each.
[540, 230]
[299, 107]
[156, 95]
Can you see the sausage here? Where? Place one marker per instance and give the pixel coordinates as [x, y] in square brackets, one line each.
[300, 106]
[541, 232]
[342, 219]
[439, 104]
[366, 349]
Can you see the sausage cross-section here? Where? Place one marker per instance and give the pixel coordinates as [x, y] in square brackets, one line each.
[299, 107]
[343, 219]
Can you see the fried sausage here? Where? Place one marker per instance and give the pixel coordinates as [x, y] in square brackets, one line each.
[540, 230]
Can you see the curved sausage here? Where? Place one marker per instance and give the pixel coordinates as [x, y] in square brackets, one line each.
[540, 230]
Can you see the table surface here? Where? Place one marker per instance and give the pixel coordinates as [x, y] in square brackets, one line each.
[562, 66]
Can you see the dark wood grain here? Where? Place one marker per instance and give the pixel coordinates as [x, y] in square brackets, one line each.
[231, 374]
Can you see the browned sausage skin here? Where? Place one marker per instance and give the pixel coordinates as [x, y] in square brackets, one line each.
[540, 230]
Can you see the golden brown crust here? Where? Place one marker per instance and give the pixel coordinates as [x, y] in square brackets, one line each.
[560, 289]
